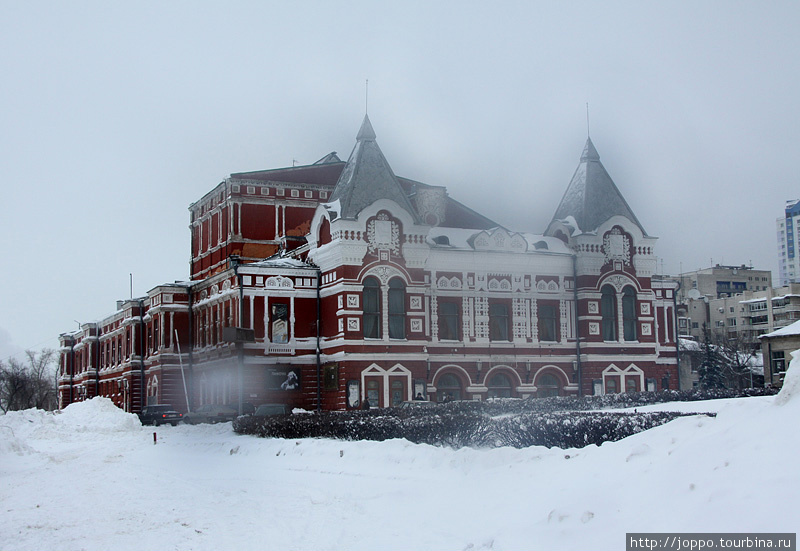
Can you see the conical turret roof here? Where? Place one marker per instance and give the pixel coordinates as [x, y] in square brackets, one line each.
[592, 197]
[367, 177]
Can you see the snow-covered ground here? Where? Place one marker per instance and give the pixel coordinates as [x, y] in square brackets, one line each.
[91, 478]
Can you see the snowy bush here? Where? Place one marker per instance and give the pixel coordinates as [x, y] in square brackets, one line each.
[458, 425]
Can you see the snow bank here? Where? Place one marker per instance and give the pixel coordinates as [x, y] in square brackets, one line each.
[97, 416]
[791, 383]
[206, 488]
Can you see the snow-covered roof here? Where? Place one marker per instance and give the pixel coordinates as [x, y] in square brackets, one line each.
[367, 177]
[592, 197]
[690, 345]
[279, 262]
[793, 329]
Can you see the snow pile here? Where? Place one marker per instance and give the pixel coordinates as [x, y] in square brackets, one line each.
[96, 419]
[98, 415]
[790, 392]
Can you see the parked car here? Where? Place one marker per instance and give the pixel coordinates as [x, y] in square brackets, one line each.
[211, 413]
[247, 407]
[268, 410]
[159, 415]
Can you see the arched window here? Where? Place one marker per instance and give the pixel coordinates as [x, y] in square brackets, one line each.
[608, 308]
[611, 385]
[499, 386]
[498, 322]
[548, 385]
[397, 309]
[372, 308]
[630, 385]
[324, 232]
[629, 313]
[449, 388]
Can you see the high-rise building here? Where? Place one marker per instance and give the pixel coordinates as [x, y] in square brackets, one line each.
[788, 227]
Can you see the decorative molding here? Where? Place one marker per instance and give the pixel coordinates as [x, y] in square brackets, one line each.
[383, 233]
[279, 282]
[617, 246]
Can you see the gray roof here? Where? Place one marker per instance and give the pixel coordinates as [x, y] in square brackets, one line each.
[367, 177]
[591, 197]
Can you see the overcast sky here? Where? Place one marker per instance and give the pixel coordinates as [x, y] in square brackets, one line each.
[117, 116]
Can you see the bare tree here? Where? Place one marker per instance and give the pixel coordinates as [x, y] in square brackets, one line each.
[738, 356]
[28, 383]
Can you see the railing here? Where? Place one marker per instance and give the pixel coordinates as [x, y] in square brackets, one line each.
[280, 349]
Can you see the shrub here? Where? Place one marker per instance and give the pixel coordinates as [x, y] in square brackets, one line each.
[463, 424]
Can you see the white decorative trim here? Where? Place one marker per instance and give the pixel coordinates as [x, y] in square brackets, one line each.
[393, 242]
[279, 282]
[617, 246]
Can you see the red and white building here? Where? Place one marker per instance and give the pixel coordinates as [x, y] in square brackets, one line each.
[357, 283]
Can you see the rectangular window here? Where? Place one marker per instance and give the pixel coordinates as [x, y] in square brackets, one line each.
[778, 362]
[280, 323]
[498, 322]
[547, 323]
[449, 322]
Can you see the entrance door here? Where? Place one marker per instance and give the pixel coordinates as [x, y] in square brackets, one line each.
[397, 392]
[374, 392]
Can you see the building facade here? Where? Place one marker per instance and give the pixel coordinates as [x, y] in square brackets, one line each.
[701, 291]
[324, 285]
[788, 233]
[779, 346]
